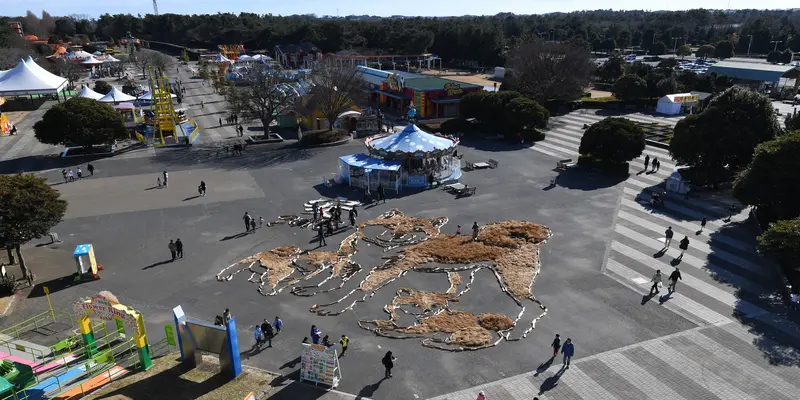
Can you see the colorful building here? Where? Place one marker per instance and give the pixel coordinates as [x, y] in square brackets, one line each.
[433, 97]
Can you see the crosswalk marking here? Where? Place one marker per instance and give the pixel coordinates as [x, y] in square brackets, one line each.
[584, 385]
[709, 213]
[641, 379]
[722, 388]
[538, 148]
[694, 244]
[693, 226]
[685, 305]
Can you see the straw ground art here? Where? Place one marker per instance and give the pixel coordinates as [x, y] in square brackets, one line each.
[509, 249]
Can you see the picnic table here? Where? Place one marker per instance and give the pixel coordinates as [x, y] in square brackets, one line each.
[481, 165]
[455, 186]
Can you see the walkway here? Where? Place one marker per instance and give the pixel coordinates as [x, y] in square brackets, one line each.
[724, 282]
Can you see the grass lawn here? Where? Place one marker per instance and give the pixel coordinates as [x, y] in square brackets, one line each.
[169, 379]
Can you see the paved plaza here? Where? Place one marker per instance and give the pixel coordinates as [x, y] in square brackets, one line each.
[723, 335]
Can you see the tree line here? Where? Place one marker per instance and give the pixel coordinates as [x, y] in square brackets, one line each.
[481, 41]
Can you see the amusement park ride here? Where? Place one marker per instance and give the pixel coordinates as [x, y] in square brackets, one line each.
[231, 51]
[166, 123]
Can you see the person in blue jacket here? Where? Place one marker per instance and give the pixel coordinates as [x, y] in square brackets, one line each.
[568, 350]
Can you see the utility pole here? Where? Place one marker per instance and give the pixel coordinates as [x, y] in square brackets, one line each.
[675, 44]
[155, 7]
[749, 45]
[776, 44]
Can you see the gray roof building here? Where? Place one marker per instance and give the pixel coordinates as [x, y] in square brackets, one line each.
[755, 71]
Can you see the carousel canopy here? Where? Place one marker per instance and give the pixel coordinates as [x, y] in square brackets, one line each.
[116, 96]
[244, 58]
[90, 94]
[410, 141]
[222, 59]
[77, 55]
[364, 161]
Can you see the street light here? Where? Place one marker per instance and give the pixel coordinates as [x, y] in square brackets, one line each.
[675, 44]
[748, 46]
[776, 44]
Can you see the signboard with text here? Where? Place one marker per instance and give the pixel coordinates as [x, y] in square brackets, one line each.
[453, 89]
[685, 99]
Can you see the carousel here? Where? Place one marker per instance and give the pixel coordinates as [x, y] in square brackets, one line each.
[409, 158]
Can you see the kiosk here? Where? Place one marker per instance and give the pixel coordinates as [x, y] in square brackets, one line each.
[86, 263]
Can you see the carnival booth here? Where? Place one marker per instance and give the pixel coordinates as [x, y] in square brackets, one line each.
[410, 158]
[676, 182]
[674, 104]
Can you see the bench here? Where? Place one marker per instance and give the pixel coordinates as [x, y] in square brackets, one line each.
[469, 191]
[562, 165]
[492, 163]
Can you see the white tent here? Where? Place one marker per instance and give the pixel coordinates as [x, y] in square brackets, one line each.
[676, 183]
[116, 96]
[244, 58]
[109, 59]
[261, 57]
[77, 55]
[671, 104]
[91, 61]
[90, 94]
[222, 59]
[29, 78]
[149, 96]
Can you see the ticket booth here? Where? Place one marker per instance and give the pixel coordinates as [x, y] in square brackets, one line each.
[86, 263]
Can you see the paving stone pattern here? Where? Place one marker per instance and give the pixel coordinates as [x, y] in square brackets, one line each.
[723, 280]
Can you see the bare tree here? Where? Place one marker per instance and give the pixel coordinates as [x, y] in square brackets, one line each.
[548, 70]
[262, 95]
[334, 89]
[149, 58]
[70, 70]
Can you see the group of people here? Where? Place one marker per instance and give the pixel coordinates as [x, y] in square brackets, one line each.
[674, 277]
[683, 245]
[317, 338]
[265, 332]
[325, 226]
[250, 222]
[567, 349]
[175, 248]
[70, 176]
[381, 194]
[656, 165]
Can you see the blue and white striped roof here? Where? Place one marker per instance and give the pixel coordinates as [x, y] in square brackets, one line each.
[411, 140]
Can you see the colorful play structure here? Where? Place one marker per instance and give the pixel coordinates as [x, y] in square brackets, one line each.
[195, 336]
[167, 127]
[79, 363]
[231, 51]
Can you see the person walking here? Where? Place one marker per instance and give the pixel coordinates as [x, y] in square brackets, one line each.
[172, 249]
[314, 210]
[568, 351]
[201, 104]
[246, 220]
[253, 224]
[655, 164]
[656, 282]
[90, 168]
[258, 335]
[673, 280]
[668, 236]
[481, 396]
[556, 345]
[475, 230]
[220, 122]
[80, 173]
[344, 341]
[388, 363]
[277, 324]
[458, 230]
[646, 162]
[71, 176]
[658, 164]
[326, 341]
[381, 192]
[321, 235]
[261, 222]
[226, 316]
[166, 178]
[353, 214]
[683, 245]
[64, 174]
[241, 130]
[179, 248]
[268, 333]
[202, 188]
[315, 334]
[703, 223]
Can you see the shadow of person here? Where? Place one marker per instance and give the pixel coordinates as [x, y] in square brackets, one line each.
[290, 364]
[369, 390]
[191, 198]
[551, 382]
[157, 264]
[648, 297]
[663, 299]
[544, 366]
[675, 261]
[236, 236]
[661, 252]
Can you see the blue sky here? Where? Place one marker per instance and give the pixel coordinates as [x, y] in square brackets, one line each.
[348, 7]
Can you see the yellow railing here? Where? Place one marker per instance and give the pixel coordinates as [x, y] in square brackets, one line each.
[195, 132]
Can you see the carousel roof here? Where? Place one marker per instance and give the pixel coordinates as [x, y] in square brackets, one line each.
[366, 162]
[411, 140]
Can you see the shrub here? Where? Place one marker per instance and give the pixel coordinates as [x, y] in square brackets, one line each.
[613, 140]
[8, 285]
[454, 126]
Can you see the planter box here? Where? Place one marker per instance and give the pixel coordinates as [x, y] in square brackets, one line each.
[260, 139]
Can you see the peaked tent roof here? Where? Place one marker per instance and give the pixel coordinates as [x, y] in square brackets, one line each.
[222, 59]
[116, 96]
[149, 96]
[90, 94]
[109, 59]
[91, 61]
[30, 78]
[77, 55]
[410, 141]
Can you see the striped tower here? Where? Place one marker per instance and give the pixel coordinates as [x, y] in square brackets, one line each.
[85, 326]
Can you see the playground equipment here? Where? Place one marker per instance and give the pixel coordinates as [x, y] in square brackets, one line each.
[197, 335]
[165, 121]
[87, 265]
[231, 51]
[106, 307]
